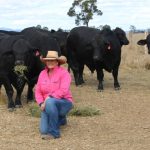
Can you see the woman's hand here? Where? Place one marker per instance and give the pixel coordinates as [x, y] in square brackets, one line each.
[42, 106]
[46, 98]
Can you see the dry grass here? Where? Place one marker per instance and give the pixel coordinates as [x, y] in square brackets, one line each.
[135, 56]
[124, 124]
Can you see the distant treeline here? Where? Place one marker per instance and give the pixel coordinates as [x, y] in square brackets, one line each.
[141, 31]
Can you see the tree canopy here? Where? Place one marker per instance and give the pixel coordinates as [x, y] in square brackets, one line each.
[83, 10]
[132, 28]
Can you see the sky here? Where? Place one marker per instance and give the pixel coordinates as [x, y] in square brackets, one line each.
[20, 14]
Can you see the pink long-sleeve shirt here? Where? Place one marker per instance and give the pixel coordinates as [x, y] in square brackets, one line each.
[57, 85]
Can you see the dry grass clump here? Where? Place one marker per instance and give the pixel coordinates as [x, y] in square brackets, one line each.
[3, 99]
[147, 66]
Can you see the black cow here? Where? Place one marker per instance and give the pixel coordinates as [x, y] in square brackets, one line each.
[145, 42]
[42, 41]
[98, 50]
[80, 48]
[61, 37]
[10, 55]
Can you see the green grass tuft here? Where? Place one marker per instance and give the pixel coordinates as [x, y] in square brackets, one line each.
[84, 111]
[35, 111]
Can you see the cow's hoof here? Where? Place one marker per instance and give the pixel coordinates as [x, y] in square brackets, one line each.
[117, 88]
[81, 85]
[29, 101]
[100, 90]
[81, 82]
[18, 106]
[30, 98]
[11, 109]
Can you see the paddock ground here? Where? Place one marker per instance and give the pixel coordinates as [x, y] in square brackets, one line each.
[124, 123]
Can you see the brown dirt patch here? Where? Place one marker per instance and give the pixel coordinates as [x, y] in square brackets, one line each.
[123, 125]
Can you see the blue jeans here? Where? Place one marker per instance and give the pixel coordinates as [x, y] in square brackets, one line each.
[54, 115]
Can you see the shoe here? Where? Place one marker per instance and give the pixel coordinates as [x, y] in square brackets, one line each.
[63, 121]
[47, 137]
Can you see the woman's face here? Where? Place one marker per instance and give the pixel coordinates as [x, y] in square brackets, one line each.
[51, 63]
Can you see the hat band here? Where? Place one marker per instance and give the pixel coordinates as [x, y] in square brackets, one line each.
[51, 57]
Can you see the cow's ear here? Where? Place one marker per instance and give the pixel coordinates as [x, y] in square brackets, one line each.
[141, 42]
[37, 53]
[109, 47]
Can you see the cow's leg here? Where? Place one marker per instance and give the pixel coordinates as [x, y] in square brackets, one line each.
[31, 85]
[81, 68]
[9, 92]
[18, 103]
[100, 76]
[74, 65]
[76, 76]
[115, 75]
[68, 68]
[0, 87]
[19, 84]
[30, 93]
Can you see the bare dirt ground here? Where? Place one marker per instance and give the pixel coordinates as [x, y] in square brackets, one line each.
[123, 125]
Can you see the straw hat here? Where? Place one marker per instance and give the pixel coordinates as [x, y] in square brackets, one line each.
[53, 55]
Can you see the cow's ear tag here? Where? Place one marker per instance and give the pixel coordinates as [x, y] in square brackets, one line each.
[109, 47]
[37, 53]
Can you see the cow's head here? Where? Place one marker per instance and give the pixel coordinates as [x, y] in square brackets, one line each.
[97, 48]
[103, 45]
[145, 42]
[22, 52]
[121, 36]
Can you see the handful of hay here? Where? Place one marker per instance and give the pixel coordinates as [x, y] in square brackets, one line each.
[19, 69]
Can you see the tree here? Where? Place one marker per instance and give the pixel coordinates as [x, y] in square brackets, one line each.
[38, 26]
[102, 27]
[132, 28]
[45, 28]
[83, 10]
[60, 30]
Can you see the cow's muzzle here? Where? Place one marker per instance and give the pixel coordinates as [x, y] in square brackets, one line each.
[19, 62]
[97, 58]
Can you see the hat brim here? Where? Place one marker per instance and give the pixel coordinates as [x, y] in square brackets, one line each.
[61, 59]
